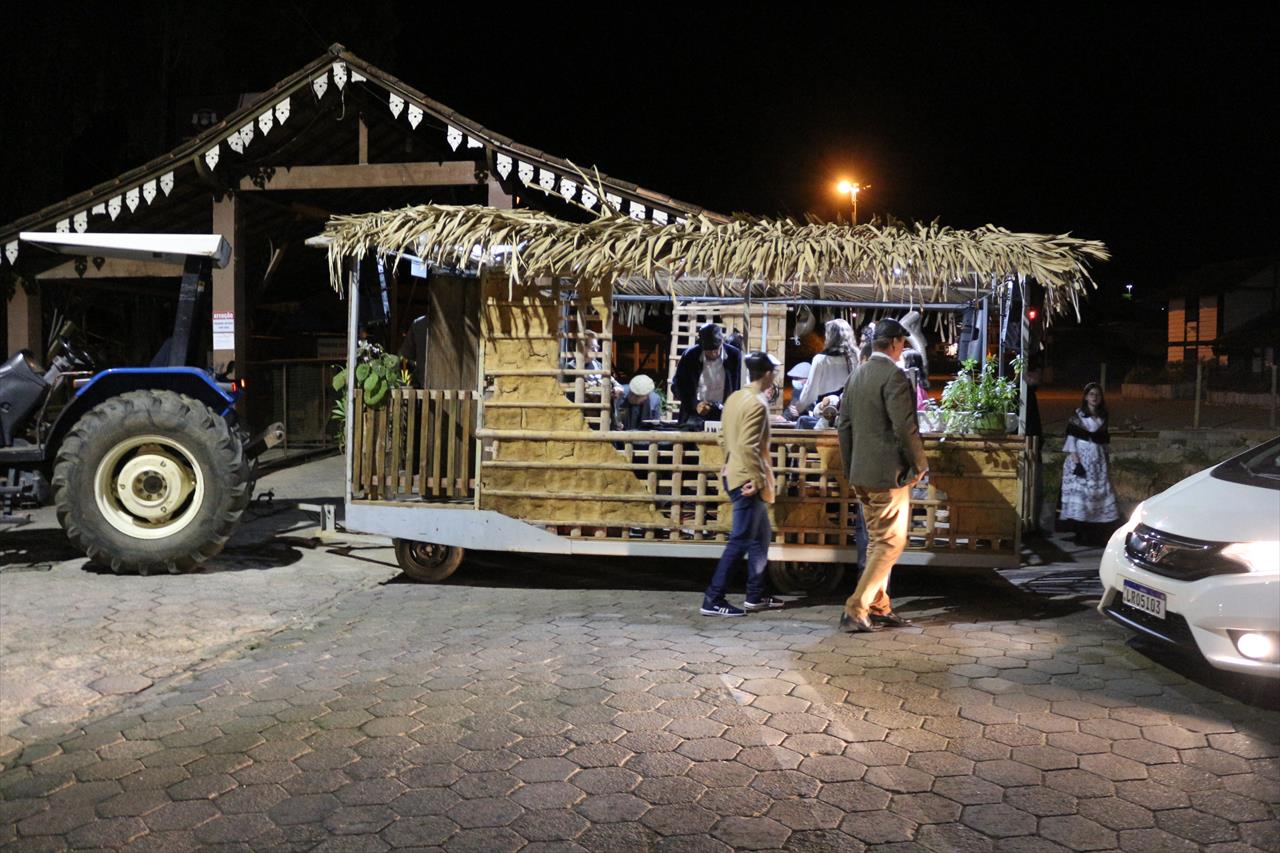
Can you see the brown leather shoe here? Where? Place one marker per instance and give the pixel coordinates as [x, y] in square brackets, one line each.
[856, 626]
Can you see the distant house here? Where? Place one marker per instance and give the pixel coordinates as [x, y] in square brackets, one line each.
[1228, 313]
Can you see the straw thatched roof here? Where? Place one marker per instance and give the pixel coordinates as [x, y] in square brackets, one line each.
[923, 263]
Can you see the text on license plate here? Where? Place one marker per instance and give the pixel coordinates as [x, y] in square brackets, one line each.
[1144, 598]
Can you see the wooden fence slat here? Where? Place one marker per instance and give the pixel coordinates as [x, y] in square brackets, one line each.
[356, 418]
[411, 422]
[370, 445]
[393, 469]
[451, 438]
[437, 440]
[424, 431]
[468, 417]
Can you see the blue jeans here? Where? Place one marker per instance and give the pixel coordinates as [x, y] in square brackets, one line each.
[751, 535]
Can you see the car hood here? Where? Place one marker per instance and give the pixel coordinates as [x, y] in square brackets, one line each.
[1204, 507]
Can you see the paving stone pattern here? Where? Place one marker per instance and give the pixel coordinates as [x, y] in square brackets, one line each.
[486, 719]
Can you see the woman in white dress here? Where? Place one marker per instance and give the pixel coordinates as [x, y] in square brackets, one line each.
[831, 367]
[1088, 499]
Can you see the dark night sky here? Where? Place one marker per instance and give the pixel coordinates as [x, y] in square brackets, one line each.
[1149, 128]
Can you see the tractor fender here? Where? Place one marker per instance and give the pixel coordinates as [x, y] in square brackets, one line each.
[191, 381]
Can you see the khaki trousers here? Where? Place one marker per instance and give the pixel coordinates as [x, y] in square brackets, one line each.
[887, 514]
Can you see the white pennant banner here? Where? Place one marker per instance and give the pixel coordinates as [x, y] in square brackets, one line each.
[166, 182]
[265, 121]
[149, 191]
[454, 136]
[525, 171]
[637, 210]
[474, 143]
[81, 221]
[131, 199]
[615, 201]
[11, 251]
[282, 111]
[567, 188]
[414, 115]
[339, 74]
[114, 205]
[234, 143]
[588, 197]
[680, 220]
[63, 226]
[504, 165]
[246, 134]
[357, 77]
[660, 217]
[99, 209]
[320, 85]
[396, 103]
[546, 180]
[211, 157]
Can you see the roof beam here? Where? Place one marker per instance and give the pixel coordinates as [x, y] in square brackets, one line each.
[368, 176]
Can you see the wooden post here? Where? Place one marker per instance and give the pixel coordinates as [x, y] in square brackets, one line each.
[24, 326]
[1273, 395]
[229, 299]
[1195, 419]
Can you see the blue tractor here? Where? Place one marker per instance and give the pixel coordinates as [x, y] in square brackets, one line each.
[148, 467]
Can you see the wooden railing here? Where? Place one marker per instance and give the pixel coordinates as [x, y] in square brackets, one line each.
[418, 445]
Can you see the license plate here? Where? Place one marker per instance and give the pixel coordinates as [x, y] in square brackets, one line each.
[1144, 598]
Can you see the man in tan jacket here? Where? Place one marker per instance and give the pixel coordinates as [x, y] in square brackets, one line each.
[884, 457]
[748, 478]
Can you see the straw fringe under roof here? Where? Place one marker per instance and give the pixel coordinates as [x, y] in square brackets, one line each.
[929, 262]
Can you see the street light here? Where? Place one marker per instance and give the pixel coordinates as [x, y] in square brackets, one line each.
[851, 189]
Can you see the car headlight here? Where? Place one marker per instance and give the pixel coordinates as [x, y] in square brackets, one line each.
[1134, 519]
[1255, 556]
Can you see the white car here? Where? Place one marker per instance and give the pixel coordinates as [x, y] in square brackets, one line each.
[1198, 565]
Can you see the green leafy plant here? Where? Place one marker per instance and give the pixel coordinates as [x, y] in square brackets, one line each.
[376, 373]
[979, 399]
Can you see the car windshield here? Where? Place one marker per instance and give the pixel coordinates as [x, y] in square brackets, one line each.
[1259, 466]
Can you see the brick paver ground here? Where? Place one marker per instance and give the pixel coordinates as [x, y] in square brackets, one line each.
[539, 706]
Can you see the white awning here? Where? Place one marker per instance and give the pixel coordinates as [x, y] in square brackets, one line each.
[165, 248]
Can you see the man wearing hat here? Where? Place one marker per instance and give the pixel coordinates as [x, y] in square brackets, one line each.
[748, 477]
[708, 373]
[884, 456]
[638, 404]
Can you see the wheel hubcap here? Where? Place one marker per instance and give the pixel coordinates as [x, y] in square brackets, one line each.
[149, 487]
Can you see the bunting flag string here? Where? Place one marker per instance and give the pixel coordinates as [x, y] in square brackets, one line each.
[265, 122]
[63, 226]
[504, 165]
[149, 191]
[525, 171]
[472, 142]
[114, 205]
[588, 197]
[454, 136]
[211, 157]
[234, 143]
[357, 77]
[615, 201]
[660, 216]
[166, 182]
[81, 221]
[396, 103]
[546, 180]
[100, 209]
[637, 210]
[339, 74]
[567, 188]
[415, 116]
[131, 199]
[320, 85]
[282, 111]
[11, 251]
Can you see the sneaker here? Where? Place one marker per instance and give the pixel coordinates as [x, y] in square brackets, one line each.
[766, 603]
[724, 608]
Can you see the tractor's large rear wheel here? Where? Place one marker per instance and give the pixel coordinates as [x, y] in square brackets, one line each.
[151, 481]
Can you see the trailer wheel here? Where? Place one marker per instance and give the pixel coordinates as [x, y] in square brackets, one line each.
[427, 562]
[150, 481]
[790, 577]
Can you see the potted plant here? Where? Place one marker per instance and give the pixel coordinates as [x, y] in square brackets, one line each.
[979, 400]
[377, 372]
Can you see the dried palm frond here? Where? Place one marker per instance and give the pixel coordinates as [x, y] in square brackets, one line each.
[919, 263]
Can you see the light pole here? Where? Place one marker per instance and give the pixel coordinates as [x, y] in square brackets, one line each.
[851, 189]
